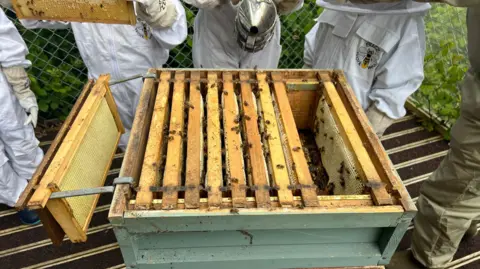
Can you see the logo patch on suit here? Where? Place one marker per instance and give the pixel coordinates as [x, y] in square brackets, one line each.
[367, 56]
[143, 30]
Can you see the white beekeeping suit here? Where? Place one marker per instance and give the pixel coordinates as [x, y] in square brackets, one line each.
[19, 151]
[126, 50]
[214, 41]
[380, 47]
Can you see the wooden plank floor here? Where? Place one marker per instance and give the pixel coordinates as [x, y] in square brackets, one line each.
[416, 151]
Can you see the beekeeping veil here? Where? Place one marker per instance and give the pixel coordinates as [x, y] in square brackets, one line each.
[255, 24]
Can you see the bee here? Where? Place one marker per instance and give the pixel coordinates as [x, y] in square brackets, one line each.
[367, 57]
[145, 31]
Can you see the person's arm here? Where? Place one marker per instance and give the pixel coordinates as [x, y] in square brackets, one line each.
[35, 24]
[309, 49]
[12, 47]
[399, 74]
[13, 62]
[174, 35]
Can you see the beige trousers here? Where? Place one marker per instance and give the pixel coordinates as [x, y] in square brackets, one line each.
[450, 198]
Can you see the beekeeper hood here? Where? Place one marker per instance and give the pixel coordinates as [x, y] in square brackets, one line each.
[402, 7]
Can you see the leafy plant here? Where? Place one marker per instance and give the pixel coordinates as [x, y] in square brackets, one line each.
[445, 65]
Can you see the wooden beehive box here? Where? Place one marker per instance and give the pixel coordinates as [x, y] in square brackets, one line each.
[225, 175]
[79, 158]
[111, 11]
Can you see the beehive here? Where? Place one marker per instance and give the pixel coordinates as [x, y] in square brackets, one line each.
[80, 161]
[111, 11]
[223, 178]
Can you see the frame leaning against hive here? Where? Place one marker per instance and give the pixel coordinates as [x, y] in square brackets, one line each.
[79, 157]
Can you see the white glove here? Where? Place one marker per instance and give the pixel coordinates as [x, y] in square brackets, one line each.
[32, 116]
[286, 6]
[208, 4]
[379, 120]
[157, 13]
[18, 79]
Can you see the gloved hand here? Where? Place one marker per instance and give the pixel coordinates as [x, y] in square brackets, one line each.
[18, 79]
[379, 120]
[157, 13]
[286, 6]
[208, 4]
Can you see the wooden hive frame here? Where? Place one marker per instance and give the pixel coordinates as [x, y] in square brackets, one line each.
[259, 196]
[115, 12]
[63, 167]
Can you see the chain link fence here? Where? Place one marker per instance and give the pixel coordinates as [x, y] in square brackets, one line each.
[445, 64]
[58, 73]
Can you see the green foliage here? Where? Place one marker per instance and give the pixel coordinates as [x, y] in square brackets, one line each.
[445, 65]
[294, 28]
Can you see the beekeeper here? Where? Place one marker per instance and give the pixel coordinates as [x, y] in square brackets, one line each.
[380, 47]
[215, 42]
[449, 201]
[19, 151]
[126, 50]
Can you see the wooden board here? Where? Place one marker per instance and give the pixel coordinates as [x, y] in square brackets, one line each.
[299, 101]
[256, 158]
[294, 145]
[51, 226]
[323, 201]
[277, 157]
[63, 158]
[150, 175]
[132, 162]
[372, 143]
[365, 166]
[354, 267]
[214, 162]
[195, 145]
[173, 168]
[233, 142]
[52, 150]
[112, 11]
